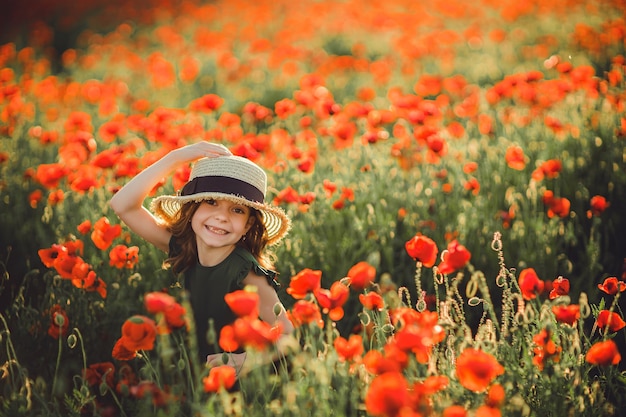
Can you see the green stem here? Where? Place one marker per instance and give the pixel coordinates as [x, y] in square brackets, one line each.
[117, 401]
[190, 379]
[82, 347]
[58, 363]
[151, 367]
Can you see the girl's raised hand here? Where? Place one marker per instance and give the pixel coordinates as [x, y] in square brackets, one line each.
[199, 150]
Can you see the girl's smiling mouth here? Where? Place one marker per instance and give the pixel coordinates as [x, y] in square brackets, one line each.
[216, 230]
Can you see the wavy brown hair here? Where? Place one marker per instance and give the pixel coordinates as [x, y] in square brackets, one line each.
[255, 240]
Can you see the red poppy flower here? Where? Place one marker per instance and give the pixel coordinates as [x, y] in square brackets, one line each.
[495, 396]
[284, 108]
[347, 193]
[221, 377]
[554, 124]
[250, 333]
[332, 300]
[472, 185]
[372, 301]
[138, 333]
[112, 129]
[160, 302]
[50, 175]
[485, 124]
[56, 197]
[598, 205]
[256, 112]
[423, 249]
[74, 247]
[470, 167]
[476, 369]
[378, 363]
[84, 227]
[97, 373]
[515, 158]
[349, 349]
[246, 150]
[181, 176]
[65, 263]
[59, 322]
[122, 256]
[455, 411]
[549, 169]
[306, 165]
[228, 341]
[189, 69]
[612, 286]
[387, 395]
[128, 167]
[568, 314]
[610, 319]
[428, 85]
[84, 277]
[161, 71]
[530, 284]
[487, 411]
[437, 146]
[603, 354]
[287, 195]
[49, 255]
[305, 312]
[456, 130]
[304, 282]
[103, 233]
[417, 332]
[329, 187]
[92, 283]
[34, 198]
[455, 257]
[149, 389]
[361, 275]
[429, 386]
[306, 199]
[339, 204]
[557, 206]
[343, 131]
[545, 349]
[108, 158]
[243, 303]
[547, 197]
[121, 353]
[560, 286]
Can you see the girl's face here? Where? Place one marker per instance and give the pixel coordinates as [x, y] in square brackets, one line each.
[220, 223]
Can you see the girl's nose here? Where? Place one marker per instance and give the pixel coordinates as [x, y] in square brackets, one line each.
[221, 211]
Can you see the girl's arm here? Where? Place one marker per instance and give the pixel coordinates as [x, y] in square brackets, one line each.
[127, 203]
[272, 311]
[269, 303]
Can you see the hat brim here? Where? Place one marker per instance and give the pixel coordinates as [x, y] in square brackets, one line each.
[276, 221]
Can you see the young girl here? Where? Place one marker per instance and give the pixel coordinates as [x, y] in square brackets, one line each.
[215, 231]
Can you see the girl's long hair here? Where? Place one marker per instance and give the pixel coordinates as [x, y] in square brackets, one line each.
[255, 240]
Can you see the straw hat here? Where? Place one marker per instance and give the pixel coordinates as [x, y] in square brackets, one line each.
[230, 178]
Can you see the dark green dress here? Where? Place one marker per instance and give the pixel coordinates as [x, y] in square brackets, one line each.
[207, 286]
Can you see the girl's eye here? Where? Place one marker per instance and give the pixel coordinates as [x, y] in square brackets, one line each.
[211, 202]
[239, 210]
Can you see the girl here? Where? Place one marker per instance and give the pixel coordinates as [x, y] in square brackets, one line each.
[215, 231]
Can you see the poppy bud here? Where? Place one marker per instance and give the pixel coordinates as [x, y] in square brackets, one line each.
[59, 320]
[71, 341]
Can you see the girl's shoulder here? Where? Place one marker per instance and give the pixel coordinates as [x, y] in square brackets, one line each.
[250, 264]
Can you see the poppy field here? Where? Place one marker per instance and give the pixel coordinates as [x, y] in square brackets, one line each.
[455, 174]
